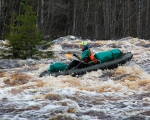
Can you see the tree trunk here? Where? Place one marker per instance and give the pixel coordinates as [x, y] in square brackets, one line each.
[123, 19]
[138, 18]
[42, 12]
[106, 19]
[74, 19]
[47, 20]
[1, 18]
[37, 9]
[114, 19]
[86, 19]
[96, 25]
[147, 19]
[68, 22]
[128, 20]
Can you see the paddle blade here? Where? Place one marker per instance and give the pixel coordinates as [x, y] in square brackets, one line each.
[69, 55]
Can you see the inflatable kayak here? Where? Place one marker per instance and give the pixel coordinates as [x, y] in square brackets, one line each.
[106, 65]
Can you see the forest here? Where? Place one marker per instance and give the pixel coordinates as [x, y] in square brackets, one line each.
[92, 19]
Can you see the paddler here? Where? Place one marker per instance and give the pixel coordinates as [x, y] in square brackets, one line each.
[87, 58]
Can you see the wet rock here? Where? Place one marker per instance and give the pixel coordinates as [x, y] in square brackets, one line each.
[6, 63]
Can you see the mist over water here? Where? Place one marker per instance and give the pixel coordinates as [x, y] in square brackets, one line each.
[118, 94]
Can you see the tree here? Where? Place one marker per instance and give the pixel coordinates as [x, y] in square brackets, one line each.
[94, 19]
[24, 36]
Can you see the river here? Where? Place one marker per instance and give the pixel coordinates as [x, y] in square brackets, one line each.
[122, 93]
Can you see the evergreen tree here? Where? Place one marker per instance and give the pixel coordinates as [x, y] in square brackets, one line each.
[24, 36]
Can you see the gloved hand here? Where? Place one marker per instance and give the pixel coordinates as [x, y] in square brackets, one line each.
[75, 55]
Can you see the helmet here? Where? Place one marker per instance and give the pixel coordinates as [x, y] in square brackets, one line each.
[84, 43]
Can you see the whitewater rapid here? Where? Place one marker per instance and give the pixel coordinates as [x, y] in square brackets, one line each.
[119, 94]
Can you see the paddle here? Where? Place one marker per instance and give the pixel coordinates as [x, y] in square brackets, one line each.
[71, 56]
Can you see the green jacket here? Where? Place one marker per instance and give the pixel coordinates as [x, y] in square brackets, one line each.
[85, 54]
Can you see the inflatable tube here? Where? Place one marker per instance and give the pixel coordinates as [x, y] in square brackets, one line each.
[106, 65]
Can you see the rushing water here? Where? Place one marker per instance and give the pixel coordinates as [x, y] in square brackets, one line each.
[119, 94]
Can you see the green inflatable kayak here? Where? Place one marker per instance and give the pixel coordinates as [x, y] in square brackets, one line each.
[106, 65]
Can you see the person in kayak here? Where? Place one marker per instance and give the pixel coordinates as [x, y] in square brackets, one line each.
[87, 58]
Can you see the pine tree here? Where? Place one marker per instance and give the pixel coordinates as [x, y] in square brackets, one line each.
[24, 35]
